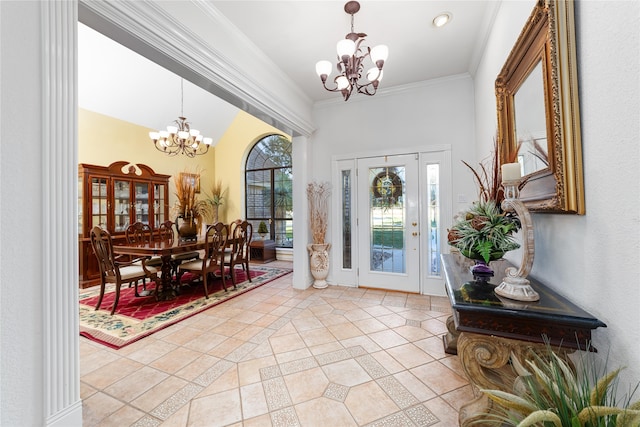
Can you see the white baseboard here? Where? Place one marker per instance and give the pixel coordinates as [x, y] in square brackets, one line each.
[284, 254]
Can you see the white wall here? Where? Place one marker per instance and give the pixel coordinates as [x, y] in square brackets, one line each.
[437, 112]
[592, 259]
[21, 343]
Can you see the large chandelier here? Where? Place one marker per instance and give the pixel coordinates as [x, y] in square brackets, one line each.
[180, 139]
[351, 56]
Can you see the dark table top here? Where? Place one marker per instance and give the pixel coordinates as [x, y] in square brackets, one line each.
[160, 248]
[478, 309]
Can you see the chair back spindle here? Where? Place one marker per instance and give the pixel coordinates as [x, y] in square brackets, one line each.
[138, 233]
[103, 247]
[165, 232]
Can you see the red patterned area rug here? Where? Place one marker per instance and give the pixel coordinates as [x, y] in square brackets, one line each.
[138, 317]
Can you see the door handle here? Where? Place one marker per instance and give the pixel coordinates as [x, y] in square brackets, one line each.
[414, 224]
[415, 233]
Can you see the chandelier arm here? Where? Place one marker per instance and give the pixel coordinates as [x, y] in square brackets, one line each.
[324, 84]
[364, 89]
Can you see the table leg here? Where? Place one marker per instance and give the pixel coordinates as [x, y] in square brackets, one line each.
[164, 290]
[450, 339]
[486, 362]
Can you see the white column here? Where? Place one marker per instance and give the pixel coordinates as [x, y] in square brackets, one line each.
[59, 159]
[301, 172]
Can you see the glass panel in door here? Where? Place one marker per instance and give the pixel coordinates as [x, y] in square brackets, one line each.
[158, 205]
[435, 191]
[122, 205]
[433, 249]
[141, 201]
[387, 219]
[99, 202]
[80, 206]
[346, 217]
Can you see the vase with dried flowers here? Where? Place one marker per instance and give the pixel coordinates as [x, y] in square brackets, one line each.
[190, 211]
[317, 195]
[214, 199]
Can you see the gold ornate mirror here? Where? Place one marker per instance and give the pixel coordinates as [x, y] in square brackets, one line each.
[538, 113]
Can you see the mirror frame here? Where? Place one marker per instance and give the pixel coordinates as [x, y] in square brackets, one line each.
[547, 37]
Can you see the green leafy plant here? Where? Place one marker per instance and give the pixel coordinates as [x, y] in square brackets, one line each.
[484, 233]
[553, 393]
[215, 196]
[262, 228]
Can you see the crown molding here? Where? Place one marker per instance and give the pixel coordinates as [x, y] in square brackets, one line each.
[148, 29]
[393, 91]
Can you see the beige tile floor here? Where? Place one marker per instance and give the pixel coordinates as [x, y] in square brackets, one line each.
[278, 356]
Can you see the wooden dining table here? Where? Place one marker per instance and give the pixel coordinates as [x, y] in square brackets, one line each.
[165, 250]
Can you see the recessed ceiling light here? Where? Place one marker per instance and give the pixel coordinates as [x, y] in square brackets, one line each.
[442, 19]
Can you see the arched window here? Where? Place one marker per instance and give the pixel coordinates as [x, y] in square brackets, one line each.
[269, 196]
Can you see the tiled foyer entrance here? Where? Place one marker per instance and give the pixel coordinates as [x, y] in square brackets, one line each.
[277, 356]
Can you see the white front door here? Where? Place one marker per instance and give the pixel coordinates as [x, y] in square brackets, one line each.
[388, 223]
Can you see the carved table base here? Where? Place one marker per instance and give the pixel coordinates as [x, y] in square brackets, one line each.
[486, 362]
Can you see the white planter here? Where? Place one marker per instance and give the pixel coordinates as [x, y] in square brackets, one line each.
[319, 263]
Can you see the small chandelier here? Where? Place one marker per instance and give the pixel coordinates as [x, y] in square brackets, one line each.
[180, 139]
[350, 62]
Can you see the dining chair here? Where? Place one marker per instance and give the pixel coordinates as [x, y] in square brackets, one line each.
[113, 270]
[212, 264]
[140, 233]
[241, 233]
[166, 234]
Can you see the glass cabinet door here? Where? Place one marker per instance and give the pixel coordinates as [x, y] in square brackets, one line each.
[99, 202]
[158, 205]
[141, 202]
[80, 205]
[121, 204]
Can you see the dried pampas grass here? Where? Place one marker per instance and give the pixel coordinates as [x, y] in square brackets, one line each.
[318, 194]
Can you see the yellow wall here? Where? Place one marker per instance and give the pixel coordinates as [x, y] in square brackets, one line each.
[231, 156]
[104, 140]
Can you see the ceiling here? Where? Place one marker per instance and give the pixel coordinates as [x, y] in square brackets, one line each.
[295, 35]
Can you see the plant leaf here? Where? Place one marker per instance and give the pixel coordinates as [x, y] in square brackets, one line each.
[540, 416]
[628, 418]
[600, 389]
[510, 401]
[592, 413]
[519, 368]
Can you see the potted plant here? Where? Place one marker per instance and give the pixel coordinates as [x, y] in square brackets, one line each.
[484, 233]
[214, 200]
[317, 195]
[190, 211]
[550, 391]
[263, 230]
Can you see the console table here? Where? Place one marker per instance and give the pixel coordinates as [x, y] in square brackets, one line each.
[486, 329]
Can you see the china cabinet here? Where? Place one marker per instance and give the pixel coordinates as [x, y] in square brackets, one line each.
[113, 197]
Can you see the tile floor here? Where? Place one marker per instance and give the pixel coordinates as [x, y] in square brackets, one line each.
[278, 356]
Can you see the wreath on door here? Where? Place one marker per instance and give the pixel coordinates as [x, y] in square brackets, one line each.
[387, 188]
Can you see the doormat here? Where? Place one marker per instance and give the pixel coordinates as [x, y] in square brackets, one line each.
[138, 317]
